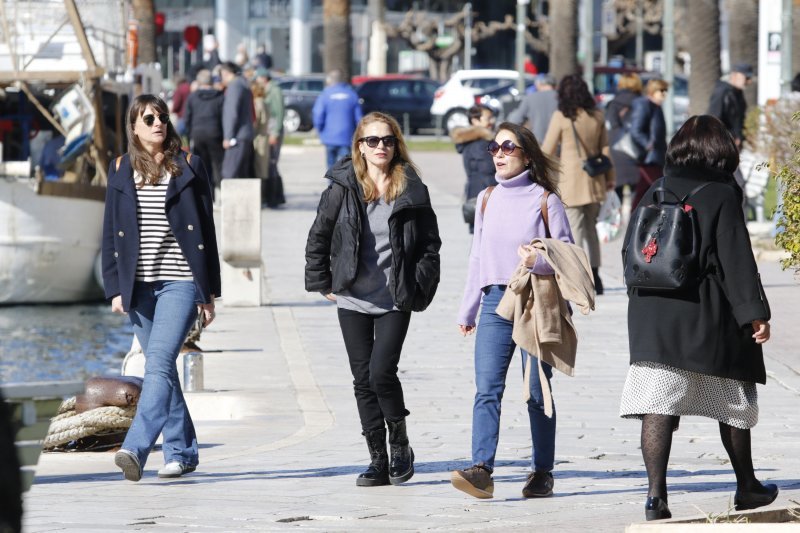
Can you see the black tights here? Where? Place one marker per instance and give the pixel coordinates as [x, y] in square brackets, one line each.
[657, 442]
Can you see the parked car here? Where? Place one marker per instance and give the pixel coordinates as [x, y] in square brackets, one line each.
[299, 95]
[457, 95]
[407, 98]
[503, 99]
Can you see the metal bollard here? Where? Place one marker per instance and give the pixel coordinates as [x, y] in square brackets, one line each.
[193, 372]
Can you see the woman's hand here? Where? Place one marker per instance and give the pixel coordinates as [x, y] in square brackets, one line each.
[760, 331]
[116, 305]
[466, 330]
[330, 297]
[208, 312]
[528, 254]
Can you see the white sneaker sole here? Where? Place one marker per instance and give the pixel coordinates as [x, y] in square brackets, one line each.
[129, 466]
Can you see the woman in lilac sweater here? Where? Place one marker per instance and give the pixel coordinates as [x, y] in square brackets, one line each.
[503, 230]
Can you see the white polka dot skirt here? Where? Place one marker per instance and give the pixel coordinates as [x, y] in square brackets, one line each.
[653, 388]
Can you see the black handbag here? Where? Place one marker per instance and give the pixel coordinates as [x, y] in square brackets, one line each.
[594, 165]
[468, 210]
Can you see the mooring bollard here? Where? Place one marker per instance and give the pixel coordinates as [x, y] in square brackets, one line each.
[192, 371]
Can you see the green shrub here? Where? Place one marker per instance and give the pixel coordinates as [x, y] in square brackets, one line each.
[785, 167]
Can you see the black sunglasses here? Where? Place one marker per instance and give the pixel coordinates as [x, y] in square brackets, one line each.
[389, 141]
[508, 147]
[150, 119]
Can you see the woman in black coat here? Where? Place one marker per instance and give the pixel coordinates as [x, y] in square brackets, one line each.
[649, 130]
[374, 250]
[698, 352]
[471, 142]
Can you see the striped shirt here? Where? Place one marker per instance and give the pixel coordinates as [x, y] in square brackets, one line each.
[160, 256]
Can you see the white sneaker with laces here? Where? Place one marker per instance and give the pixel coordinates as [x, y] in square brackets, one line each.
[175, 469]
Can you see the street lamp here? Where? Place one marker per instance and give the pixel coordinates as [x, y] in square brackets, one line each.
[521, 7]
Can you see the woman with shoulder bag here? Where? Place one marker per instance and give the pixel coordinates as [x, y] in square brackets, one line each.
[577, 133]
[618, 120]
[698, 351]
[374, 250]
[161, 267]
[513, 217]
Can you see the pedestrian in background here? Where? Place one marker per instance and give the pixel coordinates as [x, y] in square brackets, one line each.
[161, 267]
[374, 250]
[269, 137]
[537, 108]
[336, 113]
[237, 124]
[471, 143]
[512, 219]
[649, 130]
[179, 98]
[577, 131]
[204, 125]
[618, 121]
[728, 103]
[713, 370]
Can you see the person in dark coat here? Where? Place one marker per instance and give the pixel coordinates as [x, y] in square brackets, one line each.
[537, 108]
[471, 143]
[698, 352]
[618, 120]
[649, 130]
[204, 124]
[161, 267]
[237, 124]
[374, 250]
[728, 103]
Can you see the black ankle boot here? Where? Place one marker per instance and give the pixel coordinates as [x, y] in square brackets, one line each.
[753, 500]
[401, 467]
[598, 283]
[656, 509]
[377, 473]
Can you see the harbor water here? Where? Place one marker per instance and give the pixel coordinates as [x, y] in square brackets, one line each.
[61, 342]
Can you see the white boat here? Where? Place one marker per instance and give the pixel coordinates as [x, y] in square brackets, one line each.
[52, 52]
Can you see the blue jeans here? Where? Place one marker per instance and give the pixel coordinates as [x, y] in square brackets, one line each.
[335, 153]
[493, 351]
[162, 314]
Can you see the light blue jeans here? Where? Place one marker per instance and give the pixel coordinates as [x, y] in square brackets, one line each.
[493, 351]
[162, 314]
[335, 153]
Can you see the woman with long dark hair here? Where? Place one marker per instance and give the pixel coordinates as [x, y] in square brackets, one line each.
[577, 131]
[161, 267]
[509, 216]
[374, 250]
[698, 351]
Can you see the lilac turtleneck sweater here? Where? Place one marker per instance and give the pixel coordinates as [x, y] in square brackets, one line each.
[513, 217]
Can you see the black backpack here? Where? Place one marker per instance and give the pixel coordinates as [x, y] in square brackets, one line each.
[662, 248]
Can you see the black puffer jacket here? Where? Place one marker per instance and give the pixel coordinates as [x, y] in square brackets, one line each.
[334, 240]
[472, 142]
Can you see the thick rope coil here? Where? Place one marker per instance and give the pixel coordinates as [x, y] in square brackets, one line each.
[69, 426]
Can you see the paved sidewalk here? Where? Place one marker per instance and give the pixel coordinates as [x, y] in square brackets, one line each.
[280, 438]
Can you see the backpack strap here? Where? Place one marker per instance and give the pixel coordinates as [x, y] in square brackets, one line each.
[486, 196]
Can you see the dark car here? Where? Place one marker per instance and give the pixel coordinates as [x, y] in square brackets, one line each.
[299, 95]
[407, 98]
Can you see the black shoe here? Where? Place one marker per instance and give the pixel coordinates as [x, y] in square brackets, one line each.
[401, 466]
[598, 283]
[753, 500]
[377, 473]
[538, 485]
[656, 509]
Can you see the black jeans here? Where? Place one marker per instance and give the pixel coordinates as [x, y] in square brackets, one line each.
[373, 344]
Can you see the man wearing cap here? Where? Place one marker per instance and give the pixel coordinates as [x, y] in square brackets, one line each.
[537, 108]
[728, 103]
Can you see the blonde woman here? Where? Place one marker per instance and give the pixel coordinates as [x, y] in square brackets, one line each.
[374, 250]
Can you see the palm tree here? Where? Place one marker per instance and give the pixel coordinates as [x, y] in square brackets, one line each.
[704, 49]
[337, 37]
[563, 38]
[743, 31]
[144, 13]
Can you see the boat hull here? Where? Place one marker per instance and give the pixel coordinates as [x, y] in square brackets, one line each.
[49, 245]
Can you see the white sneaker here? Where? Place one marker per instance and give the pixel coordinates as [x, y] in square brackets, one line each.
[175, 469]
[129, 463]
